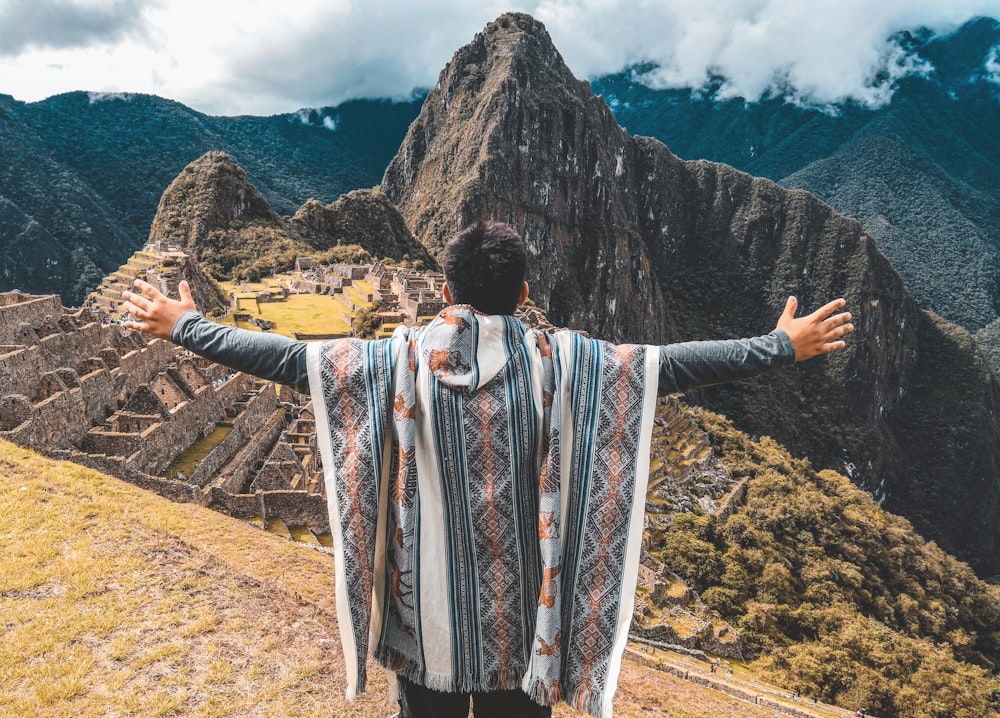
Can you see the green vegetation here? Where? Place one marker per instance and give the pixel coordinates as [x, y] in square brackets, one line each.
[366, 323]
[840, 599]
[365, 217]
[185, 464]
[343, 254]
[252, 254]
[249, 253]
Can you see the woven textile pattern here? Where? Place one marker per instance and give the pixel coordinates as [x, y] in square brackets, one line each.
[400, 647]
[601, 548]
[357, 379]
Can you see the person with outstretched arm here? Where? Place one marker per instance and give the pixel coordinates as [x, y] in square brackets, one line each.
[486, 481]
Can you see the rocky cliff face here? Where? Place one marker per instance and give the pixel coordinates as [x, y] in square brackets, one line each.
[509, 133]
[919, 172]
[632, 243]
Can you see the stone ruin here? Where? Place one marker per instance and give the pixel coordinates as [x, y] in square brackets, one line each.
[78, 386]
[397, 294]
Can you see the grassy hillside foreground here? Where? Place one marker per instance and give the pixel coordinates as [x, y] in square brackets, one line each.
[116, 602]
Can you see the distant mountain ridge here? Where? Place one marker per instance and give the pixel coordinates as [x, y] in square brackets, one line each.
[81, 174]
[921, 174]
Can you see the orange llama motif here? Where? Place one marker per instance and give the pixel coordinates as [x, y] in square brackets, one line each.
[402, 410]
[456, 320]
[544, 348]
[444, 362]
[547, 525]
[548, 597]
[399, 486]
[549, 649]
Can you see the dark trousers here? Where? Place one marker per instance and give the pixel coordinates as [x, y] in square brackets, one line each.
[418, 702]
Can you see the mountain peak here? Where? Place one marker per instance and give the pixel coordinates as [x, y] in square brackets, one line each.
[512, 34]
[960, 56]
[503, 107]
[633, 244]
[210, 193]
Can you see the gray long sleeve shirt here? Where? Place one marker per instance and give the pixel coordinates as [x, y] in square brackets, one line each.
[683, 366]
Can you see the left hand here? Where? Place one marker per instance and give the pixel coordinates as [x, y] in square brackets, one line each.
[152, 311]
[816, 333]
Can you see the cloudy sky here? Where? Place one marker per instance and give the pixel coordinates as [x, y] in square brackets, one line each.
[274, 56]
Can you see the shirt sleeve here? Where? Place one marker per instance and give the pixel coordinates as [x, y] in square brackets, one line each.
[267, 356]
[689, 365]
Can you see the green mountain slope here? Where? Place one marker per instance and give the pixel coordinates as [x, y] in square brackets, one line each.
[89, 170]
[839, 598]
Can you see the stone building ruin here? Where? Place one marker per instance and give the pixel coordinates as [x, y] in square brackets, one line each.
[397, 294]
[77, 386]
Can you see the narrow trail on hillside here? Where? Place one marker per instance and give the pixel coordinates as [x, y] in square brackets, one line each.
[733, 684]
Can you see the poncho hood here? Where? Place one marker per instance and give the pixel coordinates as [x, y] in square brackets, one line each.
[463, 348]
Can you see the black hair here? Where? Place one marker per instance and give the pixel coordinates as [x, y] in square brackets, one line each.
[484, 266]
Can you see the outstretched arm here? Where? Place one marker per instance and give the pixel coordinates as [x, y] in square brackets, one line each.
[268, 356]
[690, 365]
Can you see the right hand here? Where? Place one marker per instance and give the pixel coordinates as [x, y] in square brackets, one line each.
[816, 333]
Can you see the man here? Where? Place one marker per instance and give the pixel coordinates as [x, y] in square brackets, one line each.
[486, 481]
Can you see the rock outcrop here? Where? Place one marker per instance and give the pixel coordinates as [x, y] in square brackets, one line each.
[364, 217]
[632, 243]
[210, 194]
[212, 212]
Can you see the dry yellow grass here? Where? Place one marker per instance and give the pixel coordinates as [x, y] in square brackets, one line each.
[116, 602]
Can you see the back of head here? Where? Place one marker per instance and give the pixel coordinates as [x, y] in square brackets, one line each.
[484, 266]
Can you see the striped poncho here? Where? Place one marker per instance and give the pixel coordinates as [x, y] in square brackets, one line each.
[486, 485]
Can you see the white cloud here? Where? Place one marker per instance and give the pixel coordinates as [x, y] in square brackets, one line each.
[822, 51]
[67, 23]
[264, 56]
[992, 66]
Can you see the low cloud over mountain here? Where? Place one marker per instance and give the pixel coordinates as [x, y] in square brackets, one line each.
[230, 58]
